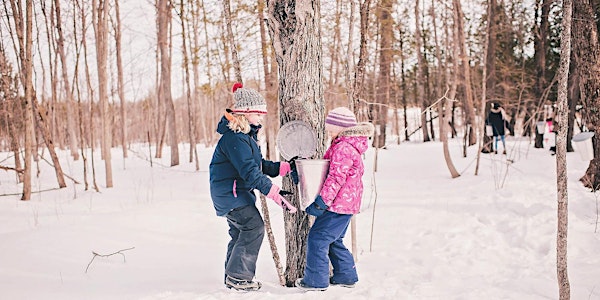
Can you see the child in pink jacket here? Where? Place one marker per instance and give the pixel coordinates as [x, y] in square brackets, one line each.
[339, 199]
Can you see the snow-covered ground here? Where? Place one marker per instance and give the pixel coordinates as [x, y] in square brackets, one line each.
[421, 234]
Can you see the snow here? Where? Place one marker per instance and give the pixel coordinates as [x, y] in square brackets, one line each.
[486, 236]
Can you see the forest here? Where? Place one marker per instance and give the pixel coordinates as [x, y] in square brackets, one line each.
[91, 75]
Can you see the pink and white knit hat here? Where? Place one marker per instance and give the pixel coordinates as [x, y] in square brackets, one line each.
[248, 101]
[339, 118]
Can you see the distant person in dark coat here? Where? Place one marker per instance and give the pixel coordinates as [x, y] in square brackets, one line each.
[237, 168]
[497, 119]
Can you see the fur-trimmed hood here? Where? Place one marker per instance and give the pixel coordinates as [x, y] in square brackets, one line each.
[361, 129]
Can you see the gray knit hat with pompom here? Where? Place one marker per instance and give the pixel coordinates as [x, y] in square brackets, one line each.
[248, 101]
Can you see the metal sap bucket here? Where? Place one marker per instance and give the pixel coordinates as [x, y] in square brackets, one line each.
[583, 144]
[311, 175]
[541, 127]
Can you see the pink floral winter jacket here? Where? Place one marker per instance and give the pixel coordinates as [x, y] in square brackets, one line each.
[343, 188]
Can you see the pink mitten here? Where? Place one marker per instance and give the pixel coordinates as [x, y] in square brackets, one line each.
[286, 205]
[284, 168]
[277, 198]
[273, 192]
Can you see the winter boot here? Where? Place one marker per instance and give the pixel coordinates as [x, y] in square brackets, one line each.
[301, 285]
[242, 285]
[346, 285]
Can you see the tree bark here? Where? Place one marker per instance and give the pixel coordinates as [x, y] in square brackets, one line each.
[541, 48]
[90, 94]
[380, 109]
[420, 91]
[188, 87]
[359, 73]
[587, 54]
[442, 116]
[210, 99]
[294, 27]
[564, 289]
[231, 38]
[23, 28]
[71, 129]
[164, 20]
[100, 19]
[120, 84]
[468, 104]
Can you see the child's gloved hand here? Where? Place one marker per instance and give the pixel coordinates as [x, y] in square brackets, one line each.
[280, 200]
[284, 168]
[294, 171]
[317, 208]
[286, 205]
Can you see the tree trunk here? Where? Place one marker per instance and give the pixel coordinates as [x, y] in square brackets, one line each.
[23, 28]
[485, 144]
[42, 124]
[90, 94]
[164, 21]
[294, 27]
[210, 99]
[188, 87]
[11, 103]
[541, 48]
[100, 19]
[272, 119]
[359, 73]
[564, 289]
[70, 115]
[231, 38]
[120, 85]
[27, 67]
[334, 49]
[420, 91]
[468, 104]
[442, 116]
[380, 109]
[587, 54]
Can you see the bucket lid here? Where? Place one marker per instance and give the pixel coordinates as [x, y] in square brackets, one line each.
[580, 137]
[296, 138]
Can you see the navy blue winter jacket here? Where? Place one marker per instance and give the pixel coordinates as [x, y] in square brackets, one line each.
[237, 168]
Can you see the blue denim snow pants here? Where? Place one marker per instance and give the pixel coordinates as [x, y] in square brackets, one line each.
[325, 243]
[247, 230]
[500, 137]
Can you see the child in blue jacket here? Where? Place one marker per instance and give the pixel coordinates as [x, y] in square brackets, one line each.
[237, 168]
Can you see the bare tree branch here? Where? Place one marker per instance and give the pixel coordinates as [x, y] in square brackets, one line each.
[107, 255]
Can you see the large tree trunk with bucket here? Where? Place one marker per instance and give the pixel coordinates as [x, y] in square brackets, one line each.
[296, 37]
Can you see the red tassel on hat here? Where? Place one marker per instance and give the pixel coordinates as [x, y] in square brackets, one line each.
[236, 86]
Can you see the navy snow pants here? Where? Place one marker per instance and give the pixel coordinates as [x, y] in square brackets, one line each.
[325, 243]
[247, 230]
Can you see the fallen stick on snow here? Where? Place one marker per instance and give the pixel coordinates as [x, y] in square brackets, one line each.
[107, 255]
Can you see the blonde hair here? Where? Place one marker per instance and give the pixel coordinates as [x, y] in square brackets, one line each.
[239, 123]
